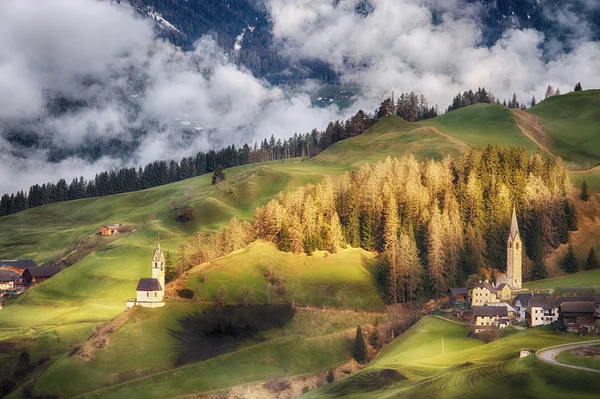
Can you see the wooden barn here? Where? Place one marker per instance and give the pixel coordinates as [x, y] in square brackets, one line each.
[109, 229]
[578, 316]
[39, 274]
[458, 295]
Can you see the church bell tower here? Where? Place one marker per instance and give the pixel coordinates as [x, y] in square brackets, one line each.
[158, 266]
[514, 255]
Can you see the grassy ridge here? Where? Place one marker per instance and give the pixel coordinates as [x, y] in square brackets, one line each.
[315, 338]
[571, 121]
[481, 125]
[413, 366]
[311, 278]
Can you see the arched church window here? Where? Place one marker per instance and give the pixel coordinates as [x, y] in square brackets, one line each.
[509, 245]
[517, 246]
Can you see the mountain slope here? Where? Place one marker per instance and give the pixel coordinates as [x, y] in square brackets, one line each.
[572, 122]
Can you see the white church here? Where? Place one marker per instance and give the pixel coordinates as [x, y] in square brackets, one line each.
[151, 291]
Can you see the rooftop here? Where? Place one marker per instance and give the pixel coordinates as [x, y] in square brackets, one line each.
[578, 307]
[149, 284]
[490, 311]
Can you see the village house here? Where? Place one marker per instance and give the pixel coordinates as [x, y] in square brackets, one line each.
[484, 293]
[578, 316]
[7, 280]
[487, 317]
[21, 277]
[458, 296]
[512, 313]
[40, 274]
[151, 291]
[109, 229]
[543, 310]
[521, 303]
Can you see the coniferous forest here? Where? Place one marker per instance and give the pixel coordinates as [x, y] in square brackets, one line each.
[164, 172]
[433, 224]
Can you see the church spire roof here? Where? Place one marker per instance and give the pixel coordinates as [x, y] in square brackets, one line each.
[514, 226]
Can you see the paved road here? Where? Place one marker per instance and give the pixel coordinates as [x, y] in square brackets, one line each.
[547, 354]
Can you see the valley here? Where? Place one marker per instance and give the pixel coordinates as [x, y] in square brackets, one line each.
[65, 318]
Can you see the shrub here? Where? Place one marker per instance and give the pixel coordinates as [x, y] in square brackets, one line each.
[185, 293]
[330, 376]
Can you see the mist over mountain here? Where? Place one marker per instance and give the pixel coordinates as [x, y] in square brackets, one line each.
[93, 85]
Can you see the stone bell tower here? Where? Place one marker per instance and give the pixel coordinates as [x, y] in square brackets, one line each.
[158, 266]
[514, 255]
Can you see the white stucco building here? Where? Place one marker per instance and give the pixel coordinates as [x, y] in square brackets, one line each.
[151, 291]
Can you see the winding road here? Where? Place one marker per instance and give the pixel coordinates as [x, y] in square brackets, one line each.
[547, 354]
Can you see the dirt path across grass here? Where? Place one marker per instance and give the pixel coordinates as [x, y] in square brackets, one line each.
[548, 354]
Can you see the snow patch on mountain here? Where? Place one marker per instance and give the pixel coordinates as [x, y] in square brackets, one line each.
[163, 23]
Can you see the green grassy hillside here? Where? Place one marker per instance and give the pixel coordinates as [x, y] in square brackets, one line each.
[312, 279]
[413, 366]
[481, 125]
[390, 136]
[572, 124]
[62, 312]
[311, 341]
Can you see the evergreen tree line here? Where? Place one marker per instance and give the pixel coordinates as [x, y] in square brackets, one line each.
[162, 172]
[410, 106]
[433, 224]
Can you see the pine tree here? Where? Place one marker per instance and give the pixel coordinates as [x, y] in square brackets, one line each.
[585, 194]
[571, 216]
[359, 353]
[218, 175]
[374, 339]
[578, 87]
[170, 273]
[569, 263]
[533, 101]
[591, 262]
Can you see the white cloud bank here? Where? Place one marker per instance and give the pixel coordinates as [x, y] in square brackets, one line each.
[103, 55]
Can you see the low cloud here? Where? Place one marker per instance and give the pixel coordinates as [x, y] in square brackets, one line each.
[101, 63]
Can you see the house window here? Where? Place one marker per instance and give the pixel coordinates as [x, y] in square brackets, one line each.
[147, 294]
[536, 318]
[155, 295]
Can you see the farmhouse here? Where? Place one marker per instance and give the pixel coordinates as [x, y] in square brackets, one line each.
[509, 309]
[39, 274]
[484, 293]
[109, 229]
[151, 291]
[521, 303]
[486, 317]
[578, 316]
[458, 295]
[543, 310]
[7, 280]
[21, 277]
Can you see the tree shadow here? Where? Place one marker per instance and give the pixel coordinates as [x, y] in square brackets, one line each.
[218, 330]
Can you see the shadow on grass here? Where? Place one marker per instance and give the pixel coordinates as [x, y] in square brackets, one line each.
[218, 330]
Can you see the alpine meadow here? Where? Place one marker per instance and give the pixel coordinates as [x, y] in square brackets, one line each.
[314, 199]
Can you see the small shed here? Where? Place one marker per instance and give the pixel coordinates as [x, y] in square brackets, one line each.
[458, 295]
[109, 229]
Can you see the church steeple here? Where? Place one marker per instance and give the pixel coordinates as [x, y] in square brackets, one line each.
[158, 265]
[514, 226]
[514, 255]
